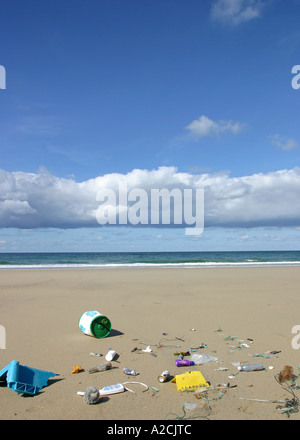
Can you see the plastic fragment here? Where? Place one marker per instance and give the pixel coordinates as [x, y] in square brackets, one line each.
[201, 358]
[181, 353]
[259, 355]
[190, 406]
[130, 372]
[76, 369]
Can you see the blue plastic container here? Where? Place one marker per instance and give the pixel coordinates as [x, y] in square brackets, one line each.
[25, 380]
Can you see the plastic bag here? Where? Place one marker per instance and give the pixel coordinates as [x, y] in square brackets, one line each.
[200, 358]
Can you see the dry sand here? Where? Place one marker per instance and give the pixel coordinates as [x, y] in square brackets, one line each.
[170, 310]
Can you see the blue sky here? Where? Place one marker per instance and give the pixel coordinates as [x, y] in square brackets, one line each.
[98, 89]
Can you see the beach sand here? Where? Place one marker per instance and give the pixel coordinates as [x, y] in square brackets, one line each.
[167, 309]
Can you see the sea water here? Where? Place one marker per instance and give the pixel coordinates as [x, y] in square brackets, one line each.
[73, 260]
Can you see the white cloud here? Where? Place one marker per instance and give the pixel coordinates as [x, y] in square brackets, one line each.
[235, 12]
[203, 126]
[30, 200]
[284, 143]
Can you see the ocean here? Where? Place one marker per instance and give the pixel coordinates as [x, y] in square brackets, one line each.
[90, 260]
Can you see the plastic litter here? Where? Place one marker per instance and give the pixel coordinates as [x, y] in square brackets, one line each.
[76, 369]
[23, 379]
[273, 352]
[236, 364]
[232, 376]
[136, 350]
[130, 372]
[100, 367]
[291, 405]
[244, 345]
[251, 367]
[181, 353]
[184, 417]
[200, 358]
[263, 400]
[139, 383]
[230, 338]
[259, 355]
[92, 394]
[190, 406]
[93, 323]
[191, 380]
[110, 355]
[199, 346]
[205, 394]
[194, 380]
[183, 363]
[112, 389]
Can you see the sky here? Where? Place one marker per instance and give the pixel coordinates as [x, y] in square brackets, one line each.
[147, 95]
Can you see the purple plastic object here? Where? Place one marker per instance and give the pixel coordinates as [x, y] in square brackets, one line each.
[183, 363]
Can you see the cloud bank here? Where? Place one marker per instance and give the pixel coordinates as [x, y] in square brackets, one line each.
[30, 200]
